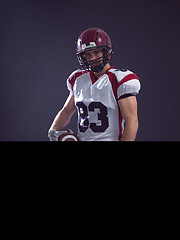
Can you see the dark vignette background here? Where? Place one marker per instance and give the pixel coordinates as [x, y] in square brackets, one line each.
[37, 54]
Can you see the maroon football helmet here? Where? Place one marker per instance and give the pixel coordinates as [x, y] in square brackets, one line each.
[90, 39]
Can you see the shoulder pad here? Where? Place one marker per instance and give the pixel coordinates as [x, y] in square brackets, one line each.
[73, 74]
[120, 74]
[128, 82]
[72, 78]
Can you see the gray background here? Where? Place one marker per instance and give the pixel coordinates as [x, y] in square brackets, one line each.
[37, 54]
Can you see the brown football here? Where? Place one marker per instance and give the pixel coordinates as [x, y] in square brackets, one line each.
[68, 137]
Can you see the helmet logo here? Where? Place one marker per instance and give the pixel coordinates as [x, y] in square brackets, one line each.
[88, 45]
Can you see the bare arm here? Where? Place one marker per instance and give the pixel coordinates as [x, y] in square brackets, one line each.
[128, 108]
[64, 115]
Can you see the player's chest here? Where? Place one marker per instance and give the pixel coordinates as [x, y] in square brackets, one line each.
[99, 91]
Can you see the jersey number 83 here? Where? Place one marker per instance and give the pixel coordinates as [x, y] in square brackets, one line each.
[84, 111]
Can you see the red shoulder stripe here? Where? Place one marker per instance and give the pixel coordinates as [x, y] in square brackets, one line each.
[74, 77]
[127, 78]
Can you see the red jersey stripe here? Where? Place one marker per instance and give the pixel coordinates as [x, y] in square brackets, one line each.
[128, 78]
[73, 78]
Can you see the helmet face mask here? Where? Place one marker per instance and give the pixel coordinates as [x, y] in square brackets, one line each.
[93, 39]
[97, 64]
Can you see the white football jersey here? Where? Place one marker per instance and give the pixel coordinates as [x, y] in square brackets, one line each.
[99, 116]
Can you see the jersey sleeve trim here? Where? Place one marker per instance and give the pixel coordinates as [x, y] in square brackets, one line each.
[125, 96]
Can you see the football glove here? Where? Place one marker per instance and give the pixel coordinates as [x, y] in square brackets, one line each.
[53, 135]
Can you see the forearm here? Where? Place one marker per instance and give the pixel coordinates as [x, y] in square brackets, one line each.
[61, 120]
[64, 115]
[130, 130]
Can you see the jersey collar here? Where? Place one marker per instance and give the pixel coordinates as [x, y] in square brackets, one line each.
[93, 77]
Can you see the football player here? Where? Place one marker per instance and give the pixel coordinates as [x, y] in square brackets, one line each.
[104, 97]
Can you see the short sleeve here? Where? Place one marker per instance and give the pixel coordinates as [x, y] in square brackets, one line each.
[69, 86]
[72, 78]
[130, 87]
[128, 83]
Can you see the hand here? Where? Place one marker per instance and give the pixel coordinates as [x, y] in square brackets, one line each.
[53, 135]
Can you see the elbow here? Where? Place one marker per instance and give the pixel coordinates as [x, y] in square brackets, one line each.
[132, 120]
[132, 124]
[136, 123]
